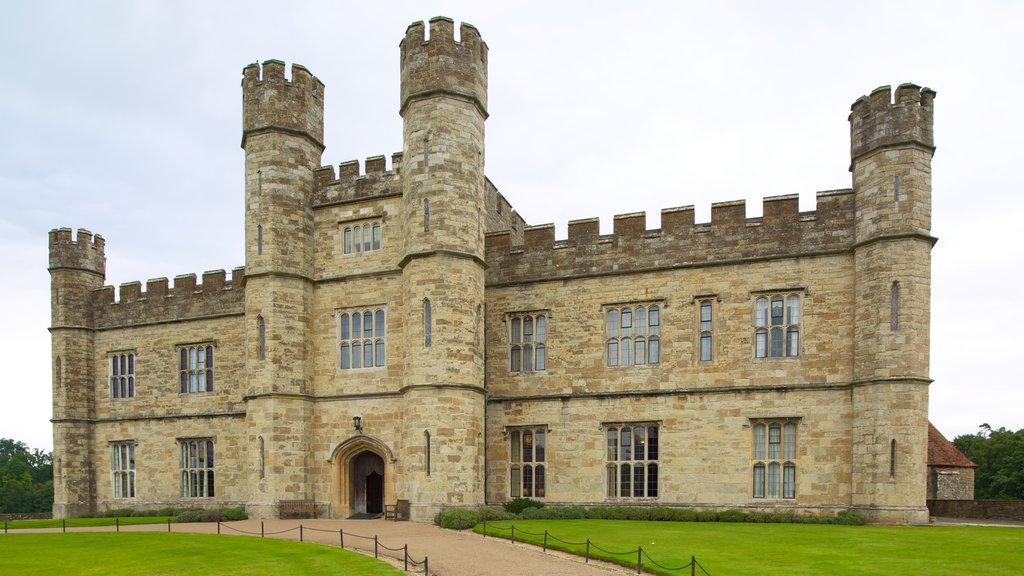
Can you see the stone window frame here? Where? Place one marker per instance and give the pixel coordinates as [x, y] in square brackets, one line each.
[348, 341]
[623, 459]
[528, 475]
[789, 326]
[121, 366]
[774, 458]
[618, 330]
[361, 235]
[195, 366]
[123, 474]
[197, 465]
[528, 353]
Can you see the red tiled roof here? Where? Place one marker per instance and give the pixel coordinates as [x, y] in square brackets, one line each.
[942, 452]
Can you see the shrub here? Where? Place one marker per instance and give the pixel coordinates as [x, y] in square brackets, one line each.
[165, 512]
[189, 516]
[732, 516]
[212, 516]
[234, 514]
[492, 514]
[117, 513]
[459, 519]
[707, 516]
[138, 513]
[517, 505]
[849, 518]
[557, 513]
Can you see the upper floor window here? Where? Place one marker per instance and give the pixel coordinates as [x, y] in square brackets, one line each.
[777, 326]
[706, 330]
[195, 368]
[633, 335]
[122, 375]
[362, 338]
[197, 468]
[528, 342]
[362, 237]
[528, 456]
[894, 307]
[774, 459]
[632, 461]
[261, 338]
[122, 469]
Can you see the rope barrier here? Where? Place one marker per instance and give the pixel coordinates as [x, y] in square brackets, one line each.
[652, 561]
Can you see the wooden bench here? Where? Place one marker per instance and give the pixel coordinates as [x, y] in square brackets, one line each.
[296, 509]
[397, 511]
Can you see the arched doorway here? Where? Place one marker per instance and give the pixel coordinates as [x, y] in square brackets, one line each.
[367, 478]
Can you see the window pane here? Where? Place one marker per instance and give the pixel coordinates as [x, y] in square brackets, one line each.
[792, 310]
[131, 386]
[357, 327]
[516, 331]
[538, 484]
[654, 319]
[652, 480]
[527, 358]
[653, 351]
[368, 354]
[613, 323]
[638, 351]
[527, 481]
[759, 481]
[357, 355]
[761, 344]
[541, 328]
[379, 357]
[367, 324]
[759, 441]
[627, 323]
[183, 365]
[539, 449]
[776, 342]
[613, 353]
[652, 443]
[345, 334]
[380, 327]
[515, 485]
[626, 348]
[612, 481]
[202, 380]
[774, 440]
[541, 358]
[789, 432]
[705, 315]
[641, 321]
[792, 342]
[345, 357]
[209, 380]
[527, 446]
[366, 238]
[516, 359]
[124, 364]
[348, 240]
[761, 312]
[613, 444]
[773, 480]
[894, 307]
[209, 356]
[192, 358]
[114, 366]
[202, 358]
[625, 444]
[131, 363]
[705, 347]
[428, 323]
[776, 311]
[514, 444]
[376, 236]
[624, 474]
[789, 481]
[528, 329]
[639, 441]
[638, 480]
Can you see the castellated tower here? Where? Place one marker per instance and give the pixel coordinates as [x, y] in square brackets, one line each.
[443, 107]
[77, 267]
[283, 140]
[891, 152]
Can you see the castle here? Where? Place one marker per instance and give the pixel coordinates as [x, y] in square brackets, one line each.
[402, 334]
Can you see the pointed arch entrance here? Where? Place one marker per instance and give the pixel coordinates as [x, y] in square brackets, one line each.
[362, 476]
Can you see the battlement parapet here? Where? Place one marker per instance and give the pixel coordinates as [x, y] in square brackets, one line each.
[216, 295]
[782, 231]
[84, 252]
[442, 64]
[876, 121]
[348, 184]
[271, 102]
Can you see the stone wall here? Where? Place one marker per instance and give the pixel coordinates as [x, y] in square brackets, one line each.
[978, 509]
[950, 483]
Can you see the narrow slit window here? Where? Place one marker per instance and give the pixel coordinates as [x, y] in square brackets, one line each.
[259, 238]
[426, 214]
[426, 322]
[894, 312]
[261, 327]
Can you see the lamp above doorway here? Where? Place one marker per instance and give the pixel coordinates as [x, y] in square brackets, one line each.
[357, 422]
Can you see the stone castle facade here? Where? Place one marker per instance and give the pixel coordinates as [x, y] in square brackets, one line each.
[770, 363]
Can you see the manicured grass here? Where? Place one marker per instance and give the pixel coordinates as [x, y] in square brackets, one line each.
[790, 549]
[157, 553]
[86, 522]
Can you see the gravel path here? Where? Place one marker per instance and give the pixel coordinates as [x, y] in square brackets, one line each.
[451, 553]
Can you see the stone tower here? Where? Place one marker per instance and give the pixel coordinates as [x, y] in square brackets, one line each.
[891, 150]
[443, 107]
[77, 267]
[283, 140]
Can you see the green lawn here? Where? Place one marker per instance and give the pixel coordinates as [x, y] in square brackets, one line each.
[739, 548]
[160, 553]
[86, 522]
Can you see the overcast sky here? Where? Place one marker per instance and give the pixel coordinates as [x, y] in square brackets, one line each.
[125, 118]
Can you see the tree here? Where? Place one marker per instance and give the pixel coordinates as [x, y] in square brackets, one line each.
[999, 455]
[26, 478]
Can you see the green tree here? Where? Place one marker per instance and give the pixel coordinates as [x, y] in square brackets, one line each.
[999, 455]
[26, 478]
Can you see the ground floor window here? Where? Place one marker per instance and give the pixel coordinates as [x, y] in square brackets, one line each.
[123, 469]
[197, 468]
[528, 472]
[632, 469]
[775, 454]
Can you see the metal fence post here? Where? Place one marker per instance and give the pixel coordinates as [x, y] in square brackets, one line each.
[586, 557]
[64, 524]
[693, 565]
[341, 537]
[405, 559]
[168, 524]
[485, 526]
[5, 526]
[639, 552]
[545, 540]
[262, 533]
[218, 526]
[426, 566]
[117, 524]
[300, 534]
[513, 533]
[375, 555]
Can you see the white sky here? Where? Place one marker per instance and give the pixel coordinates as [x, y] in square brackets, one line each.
[124, 117]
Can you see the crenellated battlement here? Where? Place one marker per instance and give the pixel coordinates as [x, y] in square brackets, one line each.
[349, 183]
[86, 252]
[442, 64]
[161, 302]
[271, 102]
[876, 121]
[782, 231]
